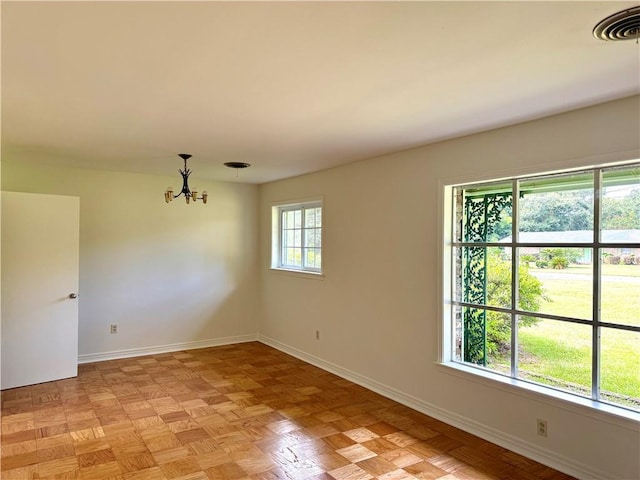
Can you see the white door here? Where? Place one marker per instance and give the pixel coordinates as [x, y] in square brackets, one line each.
[40, 245]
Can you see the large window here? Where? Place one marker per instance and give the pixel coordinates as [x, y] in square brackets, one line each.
[545, 281]
[298, 237]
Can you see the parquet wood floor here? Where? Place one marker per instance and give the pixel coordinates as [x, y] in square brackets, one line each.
[243, 411]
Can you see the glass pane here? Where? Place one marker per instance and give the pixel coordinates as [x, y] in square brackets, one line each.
[310, 238]
[293, 257]
[621, 211]
[318, 217]
[620, 367]
[566, 279]
[485, 276]
[531, 293]
[297, 219]
[485, 213]
[312, 257]
[484, 339]
[291, 215]
[309, 217]
[458, 214]
[457, 274]
[619, 292]
[290, 238]
[457, 333]
[555, 353]
[499, 342]
[294, 238]
[498, 277]
[473, 274]
[557, 209]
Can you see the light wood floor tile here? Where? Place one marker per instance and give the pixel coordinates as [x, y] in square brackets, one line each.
[17, 448]
[181, 467]
[100, 471]
[60, 451]
[398, 475]
[141, 461]
[29, 472]
[245, 412]
[153, 473]
[19, 460]
[58, 466]
[350, 472]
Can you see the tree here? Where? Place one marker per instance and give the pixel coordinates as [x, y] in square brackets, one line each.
[573, 210]
[557, 211]
[622, 213]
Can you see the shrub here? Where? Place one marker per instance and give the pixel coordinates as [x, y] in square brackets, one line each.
[559, 263]
[499, 291]
[614, 259]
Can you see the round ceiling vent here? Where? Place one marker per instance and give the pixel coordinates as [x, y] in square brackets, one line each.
[624, 25]
[237, 164]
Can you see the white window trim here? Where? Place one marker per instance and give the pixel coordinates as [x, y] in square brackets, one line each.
[446, 355]
[276, 237]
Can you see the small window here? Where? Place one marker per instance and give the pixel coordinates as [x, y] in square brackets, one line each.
[298, 237]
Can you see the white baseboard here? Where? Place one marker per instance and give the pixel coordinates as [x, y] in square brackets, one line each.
[173, 347]
[529, 450]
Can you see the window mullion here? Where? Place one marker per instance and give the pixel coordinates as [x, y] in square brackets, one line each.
[281, 238]
[595, 337]
[303, 241]
[515, 280]
[456, 269]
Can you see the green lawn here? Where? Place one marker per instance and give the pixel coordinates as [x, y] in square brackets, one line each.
[552, 351]
[573, 298]
[618, 270]
[559, 353]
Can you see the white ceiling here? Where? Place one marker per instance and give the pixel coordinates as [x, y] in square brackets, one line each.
[290, 87]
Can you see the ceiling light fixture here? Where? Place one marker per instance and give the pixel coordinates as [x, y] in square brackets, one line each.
[624, 25]
[188, 194]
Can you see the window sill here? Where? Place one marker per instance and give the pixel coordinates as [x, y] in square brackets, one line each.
[298, 273]
[600, 411]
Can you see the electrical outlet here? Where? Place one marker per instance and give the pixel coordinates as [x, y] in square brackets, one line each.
[114, 328]
[542, 427]
[317, 334]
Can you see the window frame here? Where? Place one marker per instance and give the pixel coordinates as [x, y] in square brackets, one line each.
[449, 276]
[277, 261]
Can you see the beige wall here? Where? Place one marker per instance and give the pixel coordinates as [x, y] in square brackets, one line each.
[377, 307]
[166, 274]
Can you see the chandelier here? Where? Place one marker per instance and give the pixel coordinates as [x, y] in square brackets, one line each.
[188, 194]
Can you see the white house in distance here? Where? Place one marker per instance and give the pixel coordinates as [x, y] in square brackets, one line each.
[630, 256]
